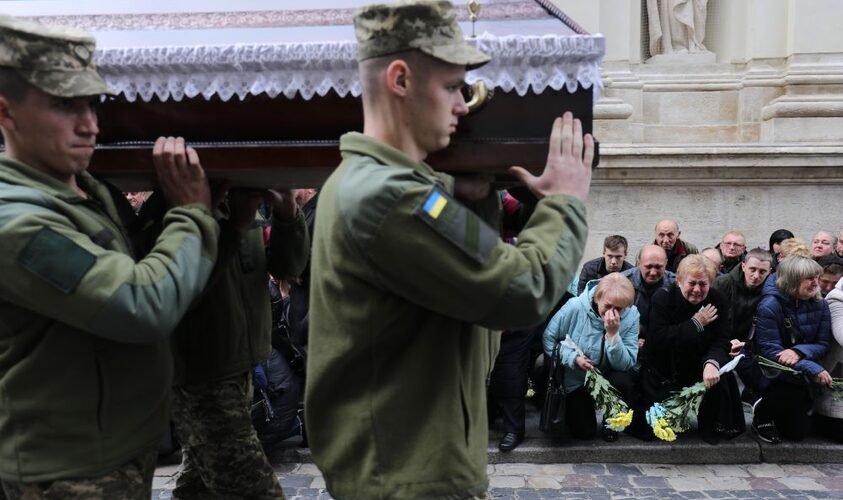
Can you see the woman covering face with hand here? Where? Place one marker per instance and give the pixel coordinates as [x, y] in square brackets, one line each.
[603, 325]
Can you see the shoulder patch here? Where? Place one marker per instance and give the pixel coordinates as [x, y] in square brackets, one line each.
[457, 224]
[56, 259]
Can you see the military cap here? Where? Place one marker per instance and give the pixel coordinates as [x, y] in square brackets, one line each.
[429, 26]
[57, 60]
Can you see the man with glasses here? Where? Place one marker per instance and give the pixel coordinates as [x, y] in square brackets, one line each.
[732, 248]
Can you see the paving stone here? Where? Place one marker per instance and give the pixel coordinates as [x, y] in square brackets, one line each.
[684, 483]
[556, 470]
[506, 482]
[718, 494]
[649, 481]
[729, 470]
[296, 481]
[659, 470]
[543, 482]
[318, 483]
[802, 483]
[764, 493]
[589, 468]
[693, 494]
[832, 483]
[694, 470]
[578, 480]
[613, 481]
[308, 469]
[516, 469]
[760, 483]
[765, 470]
[623, 470]
[804, 470]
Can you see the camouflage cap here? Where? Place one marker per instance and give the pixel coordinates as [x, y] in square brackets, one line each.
[57, 60]
[426, 25]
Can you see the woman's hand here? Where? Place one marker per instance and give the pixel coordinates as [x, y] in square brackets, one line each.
[583, 363]
[611, 323]
[788, 357]
[823, 378]
[736, 347]
[707, 314]
[711, 375]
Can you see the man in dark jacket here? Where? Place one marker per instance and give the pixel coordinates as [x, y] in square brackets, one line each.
[612, 261]
[742, 289]
[667, 237]
[649, 276]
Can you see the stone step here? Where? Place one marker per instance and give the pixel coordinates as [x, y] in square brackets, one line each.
[538, 448]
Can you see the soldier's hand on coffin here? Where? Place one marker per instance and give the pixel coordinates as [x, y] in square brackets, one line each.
[568, 168]
[472, 187]
[180, 175]
[283, 203]
[242, 206]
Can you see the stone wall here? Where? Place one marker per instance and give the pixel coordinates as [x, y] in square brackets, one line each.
[747, 137]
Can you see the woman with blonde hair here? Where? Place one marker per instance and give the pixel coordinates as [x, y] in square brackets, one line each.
[603, 325]
[689, 341]
[793, 328]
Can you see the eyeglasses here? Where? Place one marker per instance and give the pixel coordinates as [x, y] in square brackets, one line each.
[732, 244]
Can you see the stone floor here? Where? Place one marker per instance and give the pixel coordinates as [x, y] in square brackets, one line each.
[609, 481]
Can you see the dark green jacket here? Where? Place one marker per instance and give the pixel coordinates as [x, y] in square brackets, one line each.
[85, 364]
[396, 382]
[743, 301]
[228, 331]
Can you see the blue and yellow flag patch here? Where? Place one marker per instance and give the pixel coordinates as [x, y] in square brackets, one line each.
[434, 204]
[459, 225]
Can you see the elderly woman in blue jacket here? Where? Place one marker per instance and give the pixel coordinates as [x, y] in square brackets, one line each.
[603, 324]
[793, 328]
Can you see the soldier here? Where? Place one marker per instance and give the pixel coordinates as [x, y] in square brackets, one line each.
[396, 379]
[85, 365]
[221, 340]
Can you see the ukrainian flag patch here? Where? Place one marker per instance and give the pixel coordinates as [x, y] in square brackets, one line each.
[434, 204]
[457, 224]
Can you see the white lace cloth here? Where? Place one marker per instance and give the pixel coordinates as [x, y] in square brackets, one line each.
[518, 63]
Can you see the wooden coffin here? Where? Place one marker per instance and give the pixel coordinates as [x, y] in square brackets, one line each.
[264, 95]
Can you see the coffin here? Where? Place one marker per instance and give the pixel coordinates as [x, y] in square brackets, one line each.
[264, 95]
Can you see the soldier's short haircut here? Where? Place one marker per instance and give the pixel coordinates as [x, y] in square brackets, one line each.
[614, 242]
[12, 86]
[371, 70]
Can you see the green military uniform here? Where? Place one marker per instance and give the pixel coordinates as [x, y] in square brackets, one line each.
[396, 381]
[85, 363]
[216, 346]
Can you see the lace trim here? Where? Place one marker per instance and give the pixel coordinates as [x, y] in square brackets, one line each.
[519, 63]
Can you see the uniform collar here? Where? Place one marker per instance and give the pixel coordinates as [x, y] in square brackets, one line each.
[357, 143]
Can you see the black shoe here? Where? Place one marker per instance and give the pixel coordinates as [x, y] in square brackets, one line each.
[510, 441]
[609, 435]
[766, 432]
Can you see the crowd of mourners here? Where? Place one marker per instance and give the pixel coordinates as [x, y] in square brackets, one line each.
[673, 319]
[668, 321]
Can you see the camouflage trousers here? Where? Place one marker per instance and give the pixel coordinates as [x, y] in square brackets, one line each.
[222, 457]
[132, 481]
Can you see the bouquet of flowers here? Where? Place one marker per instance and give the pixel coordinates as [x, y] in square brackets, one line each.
[836, 383]
[673, 415]
[607, 399]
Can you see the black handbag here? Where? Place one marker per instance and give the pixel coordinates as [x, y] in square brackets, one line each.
[552, 419]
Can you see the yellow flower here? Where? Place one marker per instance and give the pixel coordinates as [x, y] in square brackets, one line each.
[669, 434]
[620, 421]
